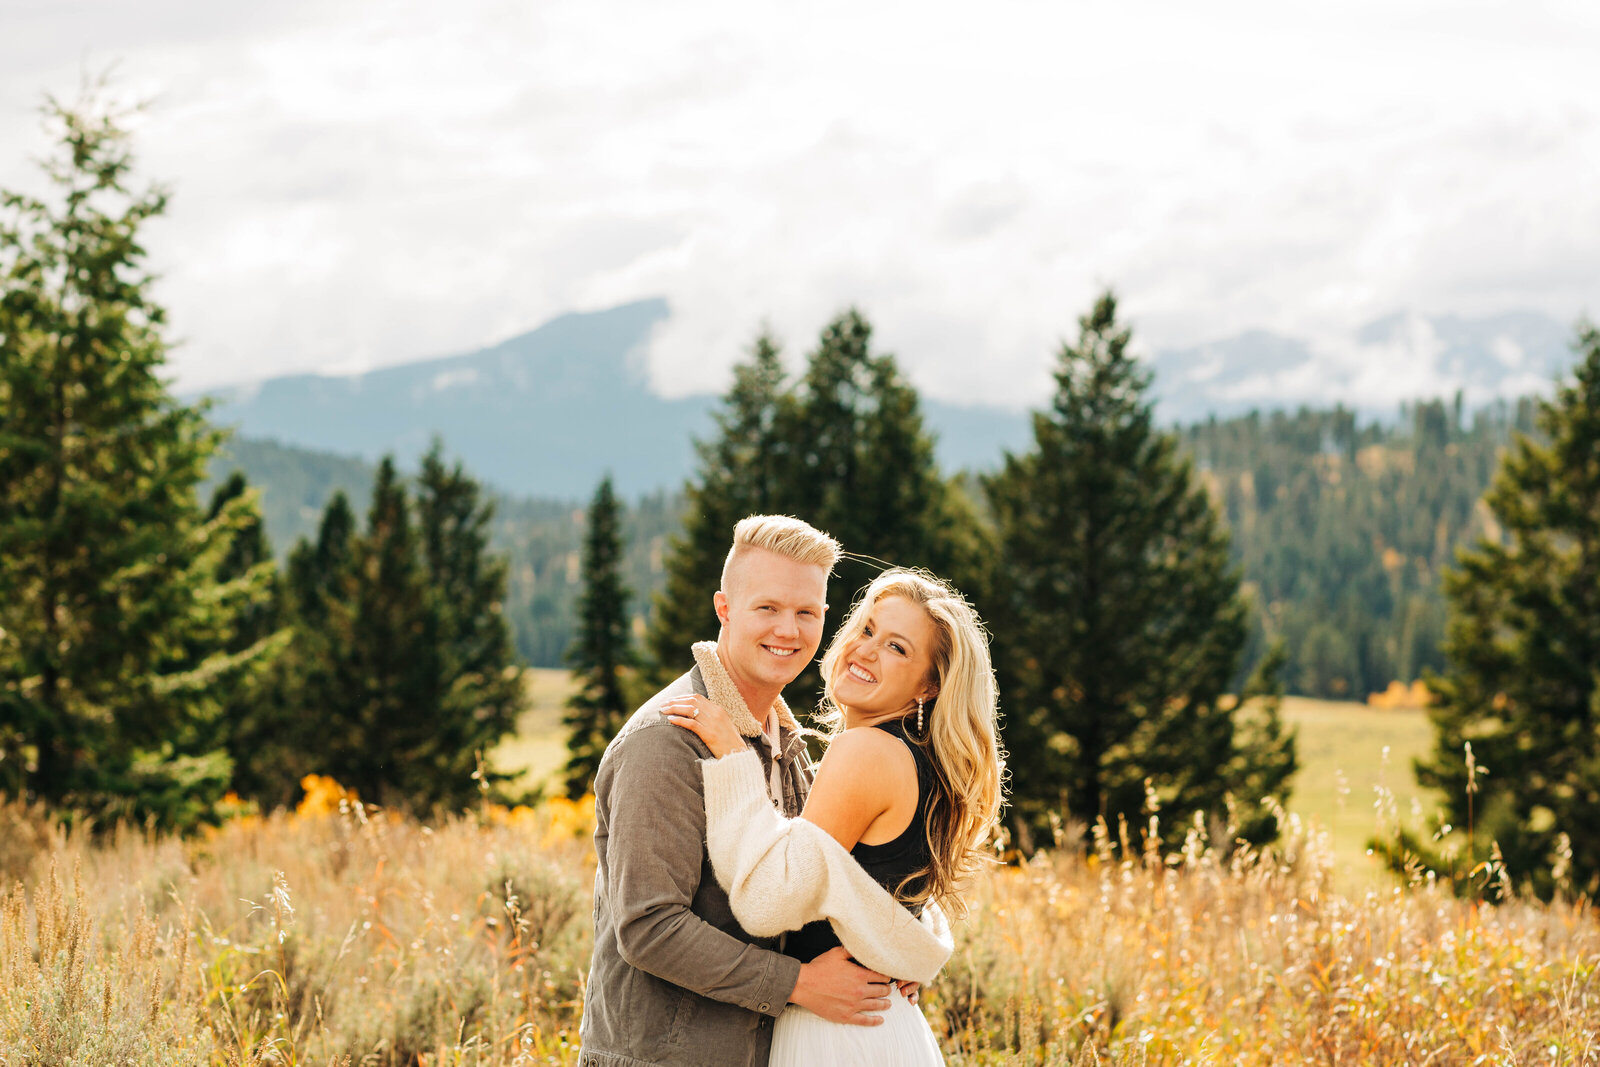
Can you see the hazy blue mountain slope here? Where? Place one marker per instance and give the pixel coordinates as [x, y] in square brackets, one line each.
[549, 412]
[546, 412]
[1486, 353]
[295, 484]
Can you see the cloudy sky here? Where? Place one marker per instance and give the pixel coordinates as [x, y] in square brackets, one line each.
[361, 182]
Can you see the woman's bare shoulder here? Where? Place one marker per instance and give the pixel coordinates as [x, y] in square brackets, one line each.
[864, 773]
[868, 752]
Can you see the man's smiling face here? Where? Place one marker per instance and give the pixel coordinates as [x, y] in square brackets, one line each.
[771, 614]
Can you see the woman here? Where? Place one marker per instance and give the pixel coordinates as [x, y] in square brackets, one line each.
[910, 785]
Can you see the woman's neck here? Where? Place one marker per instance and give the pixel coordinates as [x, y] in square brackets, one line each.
[854, 718]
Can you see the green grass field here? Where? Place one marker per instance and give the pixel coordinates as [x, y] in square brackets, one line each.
[1348, 753]
[538, 750]
[1351, 758]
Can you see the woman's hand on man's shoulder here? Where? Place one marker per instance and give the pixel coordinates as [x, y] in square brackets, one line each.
[707, 720]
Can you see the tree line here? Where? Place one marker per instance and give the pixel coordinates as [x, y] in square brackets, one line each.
[541, 539]
[1340, 528]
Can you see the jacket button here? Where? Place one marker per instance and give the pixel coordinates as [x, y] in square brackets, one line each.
[764, 1007]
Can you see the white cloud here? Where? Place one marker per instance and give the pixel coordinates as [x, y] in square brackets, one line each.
[449, 379]
[362, 182]
[1508, 352]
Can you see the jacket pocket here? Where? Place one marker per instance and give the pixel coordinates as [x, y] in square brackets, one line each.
[683, 1013]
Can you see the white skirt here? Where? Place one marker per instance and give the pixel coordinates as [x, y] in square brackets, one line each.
[804, 1039]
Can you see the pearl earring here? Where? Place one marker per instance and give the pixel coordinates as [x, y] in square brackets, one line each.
[919, 715]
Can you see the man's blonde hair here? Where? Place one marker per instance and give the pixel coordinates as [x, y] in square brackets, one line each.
[785, 536]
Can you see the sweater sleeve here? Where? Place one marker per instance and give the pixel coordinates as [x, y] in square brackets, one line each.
[783, 873]
[654, 870]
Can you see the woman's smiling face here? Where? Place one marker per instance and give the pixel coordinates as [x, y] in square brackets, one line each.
[887, 666]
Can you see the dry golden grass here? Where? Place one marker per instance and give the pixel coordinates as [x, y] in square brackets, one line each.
[341, 935]
[1255, 959]
[305, 938]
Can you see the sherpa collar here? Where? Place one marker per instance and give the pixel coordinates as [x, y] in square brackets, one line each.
[721, 690]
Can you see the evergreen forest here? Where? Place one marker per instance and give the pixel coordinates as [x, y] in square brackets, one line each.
[1341, 529]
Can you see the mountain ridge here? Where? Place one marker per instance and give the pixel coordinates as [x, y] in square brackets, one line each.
[548, 412]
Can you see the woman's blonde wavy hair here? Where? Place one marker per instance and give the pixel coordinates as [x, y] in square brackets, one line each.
[960, 731]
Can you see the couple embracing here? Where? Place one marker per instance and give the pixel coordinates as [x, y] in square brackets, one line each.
[748, 909]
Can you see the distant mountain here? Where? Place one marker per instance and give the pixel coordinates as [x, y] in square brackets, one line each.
[544, 414]
[1392, 360]
[547, 413]
[295, 484]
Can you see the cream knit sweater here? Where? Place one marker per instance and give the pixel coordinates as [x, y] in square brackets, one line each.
[783, 873]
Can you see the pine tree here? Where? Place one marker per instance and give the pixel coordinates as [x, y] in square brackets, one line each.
[741, 473]
[1119, 617]
[861, 466]
[316, 572]
[843, 448]
[602, 654]
[292, 732]
[1522, 681]
[117, 635]
[403, 665]
[250, 723]
[384, 656]
[483, 691]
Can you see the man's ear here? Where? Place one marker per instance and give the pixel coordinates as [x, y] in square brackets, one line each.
[720, 602]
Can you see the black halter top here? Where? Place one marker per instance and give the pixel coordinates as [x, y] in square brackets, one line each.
[888, 863]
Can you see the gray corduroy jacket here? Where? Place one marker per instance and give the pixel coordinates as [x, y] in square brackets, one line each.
[674, 979]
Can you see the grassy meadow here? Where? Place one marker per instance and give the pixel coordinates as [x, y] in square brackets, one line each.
[538, 750]
[339, 934]
[1355, 765]
[1355, 776]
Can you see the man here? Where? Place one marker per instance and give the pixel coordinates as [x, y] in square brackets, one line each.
[674, 980]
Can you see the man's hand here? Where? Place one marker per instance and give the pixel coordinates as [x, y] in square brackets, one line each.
[841, 991]
[910, 990]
